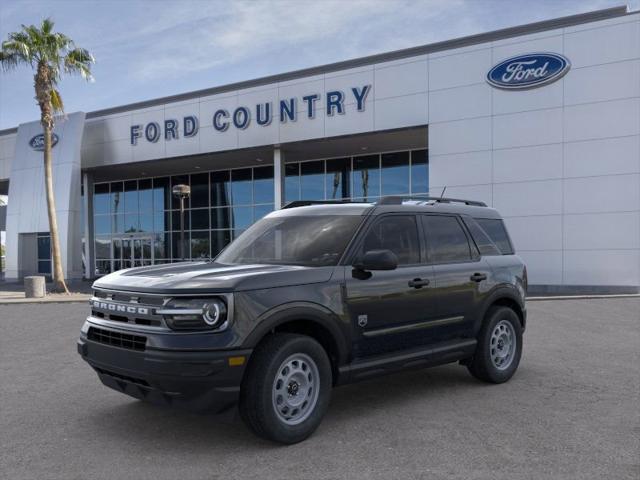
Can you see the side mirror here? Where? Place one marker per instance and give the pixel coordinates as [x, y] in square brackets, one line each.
[377, 260]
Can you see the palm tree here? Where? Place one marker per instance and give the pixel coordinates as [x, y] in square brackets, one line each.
[50, 55]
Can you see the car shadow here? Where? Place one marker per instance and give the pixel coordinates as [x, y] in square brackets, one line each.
[165, 427]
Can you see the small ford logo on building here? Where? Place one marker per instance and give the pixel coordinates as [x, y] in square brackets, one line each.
[528, 71]
[37, 142]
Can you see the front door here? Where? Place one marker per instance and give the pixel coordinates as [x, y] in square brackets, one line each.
[132, 251]
[389, 310]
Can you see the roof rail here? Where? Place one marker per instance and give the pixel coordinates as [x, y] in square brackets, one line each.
[306, 203]
[398, 199]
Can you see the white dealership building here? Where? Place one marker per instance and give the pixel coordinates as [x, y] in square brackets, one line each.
[541, 121]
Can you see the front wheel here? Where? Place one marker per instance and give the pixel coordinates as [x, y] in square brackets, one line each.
[499, 346]
[287, 388]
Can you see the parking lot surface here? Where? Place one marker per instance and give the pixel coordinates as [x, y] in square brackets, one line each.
[572, 411]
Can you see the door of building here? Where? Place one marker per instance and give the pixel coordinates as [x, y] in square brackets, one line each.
[132, 251]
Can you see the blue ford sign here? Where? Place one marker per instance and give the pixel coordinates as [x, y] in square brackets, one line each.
[528, 71]
[37, 142]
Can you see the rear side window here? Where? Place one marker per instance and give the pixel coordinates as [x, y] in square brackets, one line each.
[446, 240]
[494, 227]
[484, 243]
[398, 234]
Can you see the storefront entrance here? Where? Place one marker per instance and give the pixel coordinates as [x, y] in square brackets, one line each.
[132, 251]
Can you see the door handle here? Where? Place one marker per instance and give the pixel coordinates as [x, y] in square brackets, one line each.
[418, 283]
[478, 277]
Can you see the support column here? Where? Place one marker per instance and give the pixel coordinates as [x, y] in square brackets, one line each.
[87, 200]
[278, 178]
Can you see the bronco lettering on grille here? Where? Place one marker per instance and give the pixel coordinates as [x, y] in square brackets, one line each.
[117, 307]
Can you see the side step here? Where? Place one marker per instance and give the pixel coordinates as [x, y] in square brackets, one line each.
[445, 352]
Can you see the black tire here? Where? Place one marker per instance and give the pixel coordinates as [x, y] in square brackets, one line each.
[481, 365]
[256, 403]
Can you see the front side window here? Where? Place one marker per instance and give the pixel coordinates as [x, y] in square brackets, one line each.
[397, 233]
[446, 240]
[313, 240]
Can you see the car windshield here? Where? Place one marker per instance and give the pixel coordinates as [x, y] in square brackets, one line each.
[313, 240]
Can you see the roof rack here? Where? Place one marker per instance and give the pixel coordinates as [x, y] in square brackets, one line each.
[398, 199]
[306, 203]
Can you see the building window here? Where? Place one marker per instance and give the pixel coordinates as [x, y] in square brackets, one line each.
[137, 222]
[44, 253]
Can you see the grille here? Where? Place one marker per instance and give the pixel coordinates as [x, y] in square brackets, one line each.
[117, 339]
[130, 308]
[137, 381]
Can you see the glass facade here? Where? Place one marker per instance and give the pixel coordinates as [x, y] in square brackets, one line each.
[359, 178]
[137, 222]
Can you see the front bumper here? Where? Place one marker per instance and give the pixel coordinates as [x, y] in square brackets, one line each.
[195, 380]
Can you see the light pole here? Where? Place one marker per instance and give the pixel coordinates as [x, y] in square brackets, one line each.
[182, 192]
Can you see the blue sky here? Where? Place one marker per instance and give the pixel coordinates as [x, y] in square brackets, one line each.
[149, 49]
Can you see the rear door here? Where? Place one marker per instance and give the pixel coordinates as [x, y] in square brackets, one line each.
[461, 275]
[389, 310]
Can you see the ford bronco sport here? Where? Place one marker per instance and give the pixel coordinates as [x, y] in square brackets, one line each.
[312, 296]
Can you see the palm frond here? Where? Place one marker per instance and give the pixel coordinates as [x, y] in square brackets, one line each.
[79, 61]
[56, 101]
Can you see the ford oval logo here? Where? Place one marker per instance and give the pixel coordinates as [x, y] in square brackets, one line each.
[528, 71]
[37, 142]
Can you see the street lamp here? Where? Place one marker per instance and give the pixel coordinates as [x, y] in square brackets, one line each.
[182, 192]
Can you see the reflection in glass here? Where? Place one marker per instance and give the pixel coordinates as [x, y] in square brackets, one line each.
[337, 179]
[260, 211]
[292, 182]
[44, 247]
[131, 196]
[160, 242]
[161, 221]
[117, 223]
[199, 245]
[200, 219]
[145, 195]
[241, 186]
[103, 247]
[219, 240]
[200, 190]
[146, 222]
[366, 177]
[420, 171]
[161, 194]
[101, 198]
[179, 180]
[117, 198]
[242, 217]
[311, 180]
[263, 185]
[220, 189]
[131, 223]
[220, 218]
[395, 173]
[175, 220]
[102, 224]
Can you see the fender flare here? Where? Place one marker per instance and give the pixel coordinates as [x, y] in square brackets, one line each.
[305, 311]
[499, 292]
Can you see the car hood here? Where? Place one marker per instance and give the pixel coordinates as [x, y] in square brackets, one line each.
[201, 277]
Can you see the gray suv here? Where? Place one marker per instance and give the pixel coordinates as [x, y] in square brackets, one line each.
[312, 296]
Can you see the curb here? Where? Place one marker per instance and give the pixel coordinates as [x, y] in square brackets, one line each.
[17, 301]
[582, 297]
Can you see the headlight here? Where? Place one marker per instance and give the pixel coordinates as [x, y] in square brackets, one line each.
[194, 314]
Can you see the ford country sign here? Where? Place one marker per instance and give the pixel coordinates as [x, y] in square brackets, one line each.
[528, 71]
[37, 142]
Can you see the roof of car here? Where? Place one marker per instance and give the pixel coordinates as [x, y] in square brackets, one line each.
[389, 205]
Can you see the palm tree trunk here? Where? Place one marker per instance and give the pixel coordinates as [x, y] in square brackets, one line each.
[59, 284]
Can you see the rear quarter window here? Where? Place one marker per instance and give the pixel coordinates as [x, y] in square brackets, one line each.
[497, 232]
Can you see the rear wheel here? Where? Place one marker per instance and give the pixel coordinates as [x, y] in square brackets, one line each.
[499, 346]
[287, 388]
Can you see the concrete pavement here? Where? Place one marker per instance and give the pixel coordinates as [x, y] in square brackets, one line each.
[571, 412]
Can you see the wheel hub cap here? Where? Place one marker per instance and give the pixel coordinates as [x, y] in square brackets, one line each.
[295, 389]
[503, 345]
